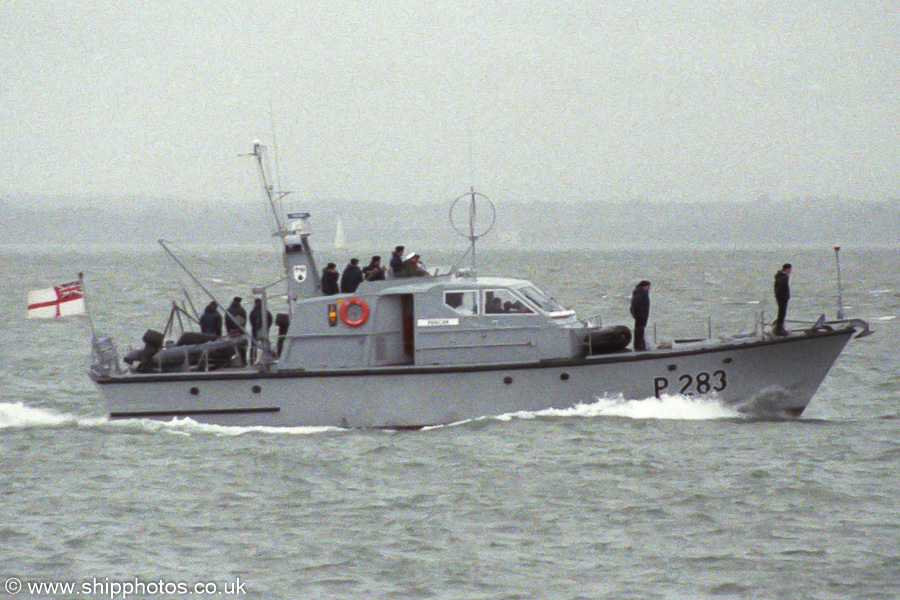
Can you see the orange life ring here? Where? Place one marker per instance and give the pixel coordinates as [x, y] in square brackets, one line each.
[363, 316]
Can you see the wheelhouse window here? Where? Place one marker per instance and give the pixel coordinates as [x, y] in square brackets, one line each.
[542, 301]
[463, 302]
[501, 301]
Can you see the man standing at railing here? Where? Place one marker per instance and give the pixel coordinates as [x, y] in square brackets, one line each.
[782, 295]
[640, 310]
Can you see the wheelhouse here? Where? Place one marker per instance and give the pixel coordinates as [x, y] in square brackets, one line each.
[446, 320]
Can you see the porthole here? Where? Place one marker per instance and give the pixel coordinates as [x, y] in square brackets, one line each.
[195, 391]
[256, 389]
[672, 367]
[727, 361]
[564, 376]
[507, 380]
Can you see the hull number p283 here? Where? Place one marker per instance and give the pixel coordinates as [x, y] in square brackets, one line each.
[690, 385]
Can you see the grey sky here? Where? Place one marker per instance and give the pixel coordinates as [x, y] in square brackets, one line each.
[563, 100]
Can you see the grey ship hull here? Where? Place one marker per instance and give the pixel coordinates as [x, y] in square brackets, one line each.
[778, 376]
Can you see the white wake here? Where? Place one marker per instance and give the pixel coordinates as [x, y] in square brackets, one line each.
[673, 407]
[21, 416]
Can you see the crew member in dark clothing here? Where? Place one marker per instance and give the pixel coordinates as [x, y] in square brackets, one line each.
[330, 280]
[412, 267]
[256, 326]
[782, 295]
[256, 323]
[640, 310]
[351, 277]
[374, 271]
[397, 260]
[235, 317]
[211, 320]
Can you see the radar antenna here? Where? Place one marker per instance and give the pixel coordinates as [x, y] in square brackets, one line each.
[480, 223]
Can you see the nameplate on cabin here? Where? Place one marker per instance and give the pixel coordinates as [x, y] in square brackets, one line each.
[437, 322]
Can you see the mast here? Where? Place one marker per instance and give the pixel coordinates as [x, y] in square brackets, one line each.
[259, 152]
[299, 265]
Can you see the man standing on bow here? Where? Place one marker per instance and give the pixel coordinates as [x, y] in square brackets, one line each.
[782, 295]
[640, 310]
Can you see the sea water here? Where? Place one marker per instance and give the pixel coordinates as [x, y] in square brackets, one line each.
[677, 497]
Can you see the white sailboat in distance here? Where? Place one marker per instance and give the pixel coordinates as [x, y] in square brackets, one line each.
[339, 242]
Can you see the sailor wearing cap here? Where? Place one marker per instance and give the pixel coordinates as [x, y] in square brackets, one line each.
[412, 266]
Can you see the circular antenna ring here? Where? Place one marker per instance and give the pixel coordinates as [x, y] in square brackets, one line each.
[475, 220]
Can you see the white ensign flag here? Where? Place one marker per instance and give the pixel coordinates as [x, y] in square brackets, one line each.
[60, 301]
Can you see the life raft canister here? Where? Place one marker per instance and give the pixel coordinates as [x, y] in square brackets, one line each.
[360, 316]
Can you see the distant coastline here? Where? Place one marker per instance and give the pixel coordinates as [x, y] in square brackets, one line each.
[525, 225]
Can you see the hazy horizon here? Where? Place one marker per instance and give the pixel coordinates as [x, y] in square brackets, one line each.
[518, 224]
[407, 102]
[256, 201]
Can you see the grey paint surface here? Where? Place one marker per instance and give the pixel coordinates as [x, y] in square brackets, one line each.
[774, 376]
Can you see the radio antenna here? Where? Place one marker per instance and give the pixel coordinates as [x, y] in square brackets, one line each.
[471, 159]
[837, 260]
[275, 146]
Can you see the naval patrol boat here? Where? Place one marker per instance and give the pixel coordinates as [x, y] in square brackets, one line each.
[441, 348]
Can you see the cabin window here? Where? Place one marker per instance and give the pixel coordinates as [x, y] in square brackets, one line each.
[504, 302]
[463, 302]
[541, 300]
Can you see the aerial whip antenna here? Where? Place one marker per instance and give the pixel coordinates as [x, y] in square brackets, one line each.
[275, 147]
[837, 260]
[471, 159]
